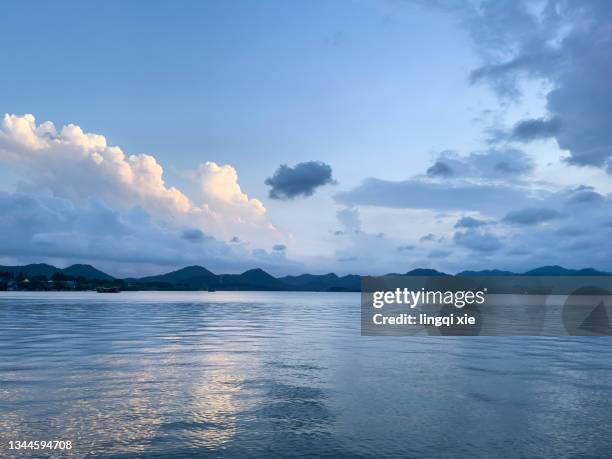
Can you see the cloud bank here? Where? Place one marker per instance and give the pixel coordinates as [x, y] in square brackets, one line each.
[71, 178]
[568, 45]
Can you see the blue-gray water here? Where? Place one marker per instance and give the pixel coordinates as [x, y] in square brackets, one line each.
[285, 374]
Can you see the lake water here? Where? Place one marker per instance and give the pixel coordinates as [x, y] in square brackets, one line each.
[249, 374]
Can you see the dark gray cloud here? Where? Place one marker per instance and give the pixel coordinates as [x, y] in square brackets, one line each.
[531, 216]
[193, 235]
[569, 45]
[430, 237]
[279, 247]
[584, 195]
[534, 129]
[406, 248]
[470, 222]
[477, 240]
[440, 169]
[301, 180]
[495, 163]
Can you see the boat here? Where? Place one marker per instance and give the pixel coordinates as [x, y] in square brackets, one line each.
[108, 290]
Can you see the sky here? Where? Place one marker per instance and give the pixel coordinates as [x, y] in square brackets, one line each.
[350, 136]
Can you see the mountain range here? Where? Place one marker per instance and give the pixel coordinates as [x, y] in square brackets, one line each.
[200, 278]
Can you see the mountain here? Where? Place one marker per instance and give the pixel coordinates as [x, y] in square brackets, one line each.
[200, 278]
[253, 279]
[425, 272]
[42, 269]
[323, 282]
[194, 277]
[561, 271]
[487, 272]
[87, 272]
[33, 270]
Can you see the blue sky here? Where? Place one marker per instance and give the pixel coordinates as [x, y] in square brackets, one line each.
[379, 91]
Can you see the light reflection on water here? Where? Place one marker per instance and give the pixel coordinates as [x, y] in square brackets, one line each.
[286, 374]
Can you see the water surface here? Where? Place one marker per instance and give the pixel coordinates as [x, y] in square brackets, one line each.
[245, 374]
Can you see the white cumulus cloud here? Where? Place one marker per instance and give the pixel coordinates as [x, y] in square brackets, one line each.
[79, 166]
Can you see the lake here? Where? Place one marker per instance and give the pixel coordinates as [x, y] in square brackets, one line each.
[260, 374]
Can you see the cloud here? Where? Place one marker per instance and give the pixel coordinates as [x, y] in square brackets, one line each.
[430, 237]
[470, 222]
[440, 169]
[77, 165]
[279, 247]
[477, 240]
[80, 166]
[439, 253]
[531, 216]
[423, 194]
[491, 164]
[349, 219]
[584, 195]
[193, 235]
[223, 199]
[301, 180]
[534, 129]
[39, 228]
[568, 45]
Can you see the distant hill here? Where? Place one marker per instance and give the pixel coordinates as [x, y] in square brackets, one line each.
[200, 278]
[42, 269]
[425, 272]
[87, 272]
[33, 270]
[561, 271]
[38, 269]
[194, 277]
[253, 279]
[324, 282]
[487, 272]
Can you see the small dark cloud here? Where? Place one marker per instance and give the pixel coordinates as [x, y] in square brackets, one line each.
[338, 233]
[439, 254]
[470, 222]
[584, 195]
[235, 240]
[535, 129]
[301, 180]
[430, 237]
[531, 216]
[477, 240]
[279, 247]
[440, 169]
[405, 248]
[193, 235]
